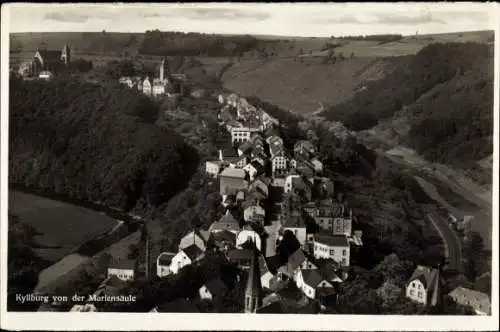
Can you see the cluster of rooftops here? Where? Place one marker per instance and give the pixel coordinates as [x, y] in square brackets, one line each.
[282, 226]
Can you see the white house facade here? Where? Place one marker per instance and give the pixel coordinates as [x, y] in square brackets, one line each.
[180, 260]
[248, 235]
[332, 247]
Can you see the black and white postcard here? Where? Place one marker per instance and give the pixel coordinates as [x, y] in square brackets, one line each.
[259, 166]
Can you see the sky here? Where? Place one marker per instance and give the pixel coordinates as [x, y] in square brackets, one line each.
[296, 19]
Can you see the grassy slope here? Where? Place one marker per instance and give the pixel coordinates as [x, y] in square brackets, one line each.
[301, 87]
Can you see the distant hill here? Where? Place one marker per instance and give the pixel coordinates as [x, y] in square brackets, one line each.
[439, 102]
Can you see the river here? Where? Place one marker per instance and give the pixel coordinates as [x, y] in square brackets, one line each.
[68, 232]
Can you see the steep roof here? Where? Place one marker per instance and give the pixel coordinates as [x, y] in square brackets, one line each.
[328, 270]
[122, 264]
[425, 274]
[193, 252]
[312, 278]
[245, 147]
[226, 222]
[273, 263]
[468, 297]
[223, 235]
[233, 173]
[294, 261]
[332, 240]
[165, 258]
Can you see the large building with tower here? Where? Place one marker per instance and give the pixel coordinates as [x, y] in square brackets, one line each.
[47, 61]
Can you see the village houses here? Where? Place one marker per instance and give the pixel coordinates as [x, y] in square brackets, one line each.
[424, 286]
[186, 256]
[479, 302]
[124, 269]
[335, 247]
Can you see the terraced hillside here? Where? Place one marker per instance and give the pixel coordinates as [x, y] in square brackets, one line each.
[302, 87]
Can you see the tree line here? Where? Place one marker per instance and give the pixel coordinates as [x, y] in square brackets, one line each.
[95, 143]
[157, 42]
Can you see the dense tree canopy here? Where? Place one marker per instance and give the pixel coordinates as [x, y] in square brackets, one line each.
[452, 120]
[156, 42]
[95, 143]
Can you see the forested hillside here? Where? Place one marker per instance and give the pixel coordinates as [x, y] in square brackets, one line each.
[96, 143]
[453, 122]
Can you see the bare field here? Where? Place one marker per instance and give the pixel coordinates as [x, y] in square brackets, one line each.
[60, 227]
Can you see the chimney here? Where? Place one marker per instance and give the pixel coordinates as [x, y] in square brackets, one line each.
[221, 157]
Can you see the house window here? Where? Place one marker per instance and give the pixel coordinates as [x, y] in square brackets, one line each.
[419, 295]
[412, 292]
[344, 252]
[332, 252]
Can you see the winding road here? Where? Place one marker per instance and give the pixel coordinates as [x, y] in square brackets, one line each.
[452, 244]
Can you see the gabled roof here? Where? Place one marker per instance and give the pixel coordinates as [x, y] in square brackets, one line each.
[296, 258]
[312, 278]
[228, 218]
[294, 262]
[233, 173]
[331, 240]
[165, 258]
[193, 252]
[122, 264]
[223, 236]
[425, 274]
[327, 270]
[468, 297]
[245, 147]
[273, 263]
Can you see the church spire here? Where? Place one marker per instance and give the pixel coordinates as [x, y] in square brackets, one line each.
[164, 69]
[253, 290]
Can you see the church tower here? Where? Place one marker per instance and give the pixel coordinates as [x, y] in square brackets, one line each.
[164, 69]
[66, 55]
[253, 292]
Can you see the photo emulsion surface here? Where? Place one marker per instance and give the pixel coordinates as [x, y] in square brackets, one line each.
[270, 159]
